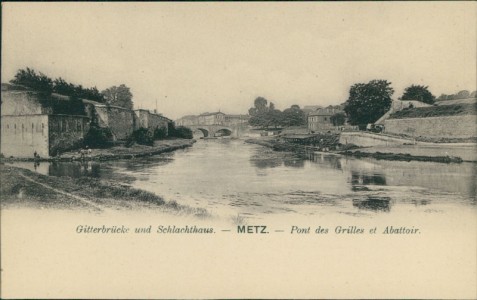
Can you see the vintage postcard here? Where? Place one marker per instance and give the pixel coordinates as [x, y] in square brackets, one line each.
[239, 150]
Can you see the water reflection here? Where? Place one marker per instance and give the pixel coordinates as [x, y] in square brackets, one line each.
[358, 178]
[266, 159]
[75, 169]
[373, 203]
[254, 180]
[325, 160]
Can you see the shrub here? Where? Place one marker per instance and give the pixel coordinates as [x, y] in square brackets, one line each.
[142, 136]
[98, 137]
[160, 133]
[180, 132]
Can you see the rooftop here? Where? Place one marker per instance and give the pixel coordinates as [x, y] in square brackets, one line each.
[212, 113]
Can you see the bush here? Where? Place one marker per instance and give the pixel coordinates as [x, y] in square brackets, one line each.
[142, 136]
[98, 137]
[437, 111]
[180, 132]
[160, 133]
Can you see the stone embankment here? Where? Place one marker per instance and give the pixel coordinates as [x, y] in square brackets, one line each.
[116, 152]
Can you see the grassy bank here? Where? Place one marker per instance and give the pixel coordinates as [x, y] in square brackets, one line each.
[118, 152]
[24, 188]
[437, 111]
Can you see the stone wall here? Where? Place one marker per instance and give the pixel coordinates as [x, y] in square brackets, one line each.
[145, 119]
[23, 135]
[365, 139]
[119, 120]
[16, 103]
[464, 126]
[157, 121]
[141, 119]
[66, 132]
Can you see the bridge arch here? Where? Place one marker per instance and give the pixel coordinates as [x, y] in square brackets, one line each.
[223, 132]
[204, 131]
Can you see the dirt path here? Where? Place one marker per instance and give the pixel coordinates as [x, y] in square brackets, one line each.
[81, 199]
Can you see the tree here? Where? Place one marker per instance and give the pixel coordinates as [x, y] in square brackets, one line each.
[367, 102]
[462, 94]
[473, 94]
[259, 106]
[293, 116]
[338, 119]
[419, 93]
[29, 78]
[442, 97]
[118, 96]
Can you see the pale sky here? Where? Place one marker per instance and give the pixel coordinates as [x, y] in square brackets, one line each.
[209, 56]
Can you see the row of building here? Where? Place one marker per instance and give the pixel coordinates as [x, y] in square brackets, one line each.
[213, 118]
[31, 122]
[318, 118]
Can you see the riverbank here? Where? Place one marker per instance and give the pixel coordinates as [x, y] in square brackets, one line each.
[466, 152]
[327, 142]
[431, 153]
[116, 152]
[401, 156]
[24, 188]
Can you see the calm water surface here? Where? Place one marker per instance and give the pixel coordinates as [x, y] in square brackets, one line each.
[230, 177]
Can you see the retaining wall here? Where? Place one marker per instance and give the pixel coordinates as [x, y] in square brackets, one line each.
[364, 139]
[439, 127]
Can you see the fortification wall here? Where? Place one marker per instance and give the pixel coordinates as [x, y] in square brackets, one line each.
[369, 140]
[16, 103]
[119, 120]
[463, 126]
[23, 135]
[66, 132]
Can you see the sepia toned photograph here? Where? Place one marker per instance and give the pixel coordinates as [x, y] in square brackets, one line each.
[323, 150]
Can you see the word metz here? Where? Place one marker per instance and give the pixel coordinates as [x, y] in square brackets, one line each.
[261, 229]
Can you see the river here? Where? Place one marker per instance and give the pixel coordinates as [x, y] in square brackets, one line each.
[232, 178]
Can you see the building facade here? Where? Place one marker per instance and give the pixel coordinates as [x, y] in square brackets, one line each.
[236, 119]
[215, 118]
[320, 120]
[188, 120]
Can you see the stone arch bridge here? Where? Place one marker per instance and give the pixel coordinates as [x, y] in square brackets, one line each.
[220, 130]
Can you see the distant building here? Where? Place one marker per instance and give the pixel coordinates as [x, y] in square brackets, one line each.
[33, 122]
[320, 120]
[215, 118]
[307, 109]
[188, 120]
[236, 119]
